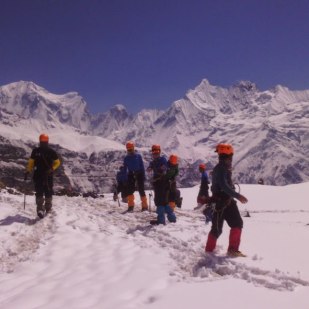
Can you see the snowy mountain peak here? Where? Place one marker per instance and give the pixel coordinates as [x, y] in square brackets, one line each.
[204, 87]
[30, 101]
[22, 87]
[263, 126]
[119, 111]
[245, 86]
[119, 107]
[279, 88]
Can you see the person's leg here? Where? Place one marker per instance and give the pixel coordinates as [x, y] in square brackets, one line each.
[130, 202]
[172, 195]
[161, 214]
[215, 232]
[39, 199]
[141, 189]
[48, 203]
[170, 214]
[235, 222]
[131, 189]
[211, 243]
[48, 191]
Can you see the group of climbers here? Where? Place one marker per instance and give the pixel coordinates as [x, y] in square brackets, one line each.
[220, 207]
[133, 177]
[164, 184]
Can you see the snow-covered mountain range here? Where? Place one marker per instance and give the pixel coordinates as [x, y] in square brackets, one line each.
[268, 129]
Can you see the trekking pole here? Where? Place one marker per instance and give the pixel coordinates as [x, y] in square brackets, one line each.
[114, 188]
[118, 200]
[150, 195]
[25, 180]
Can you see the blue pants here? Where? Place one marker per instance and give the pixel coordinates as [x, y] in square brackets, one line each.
[162, 210]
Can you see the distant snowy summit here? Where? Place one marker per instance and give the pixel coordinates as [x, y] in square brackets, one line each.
[268, 129]
[29, 100]
[243, 95]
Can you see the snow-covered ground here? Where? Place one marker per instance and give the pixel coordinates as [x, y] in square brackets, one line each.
[88, 254]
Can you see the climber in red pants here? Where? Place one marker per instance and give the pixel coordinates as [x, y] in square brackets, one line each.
[223, 195]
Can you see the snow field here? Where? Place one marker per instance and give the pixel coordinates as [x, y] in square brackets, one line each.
[88, 254]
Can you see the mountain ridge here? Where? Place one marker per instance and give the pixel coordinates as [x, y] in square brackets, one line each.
[265, 127]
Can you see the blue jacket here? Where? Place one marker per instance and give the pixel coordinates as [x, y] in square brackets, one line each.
[204, 178]
[122, 175]
[158, 166]
[133, 163]
[204, 184]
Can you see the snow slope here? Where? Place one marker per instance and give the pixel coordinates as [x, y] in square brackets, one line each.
[88, 254]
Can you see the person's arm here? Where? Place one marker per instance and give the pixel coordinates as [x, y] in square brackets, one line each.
[228, 190]
[29, 168]
[150, 167]
[56, 164]
[224, 185]
[31, 162]
[142, 165]
[30, 165]
[125, 164]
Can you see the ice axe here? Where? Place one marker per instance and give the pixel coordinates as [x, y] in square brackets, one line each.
[116, 198]
[25, 179]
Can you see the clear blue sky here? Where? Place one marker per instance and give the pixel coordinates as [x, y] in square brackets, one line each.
[148, 53]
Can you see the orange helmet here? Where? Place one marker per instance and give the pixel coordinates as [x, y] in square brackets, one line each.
[156, 148]
[130, 145]
[224, 149]
[202, 167]
[44, 138]
[173, 159]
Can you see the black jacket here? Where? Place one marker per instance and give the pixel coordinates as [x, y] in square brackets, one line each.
[222, 185]
[43, 161]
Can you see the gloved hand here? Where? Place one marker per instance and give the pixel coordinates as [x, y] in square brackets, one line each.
[26, 176]
[242, 199]
[202, 199]
[208, 213]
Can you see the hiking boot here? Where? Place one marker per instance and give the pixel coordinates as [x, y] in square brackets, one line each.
[130, 208]
[154, 222]
[144, 202]
[235, 253]
[144, 209]
[41, 214]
